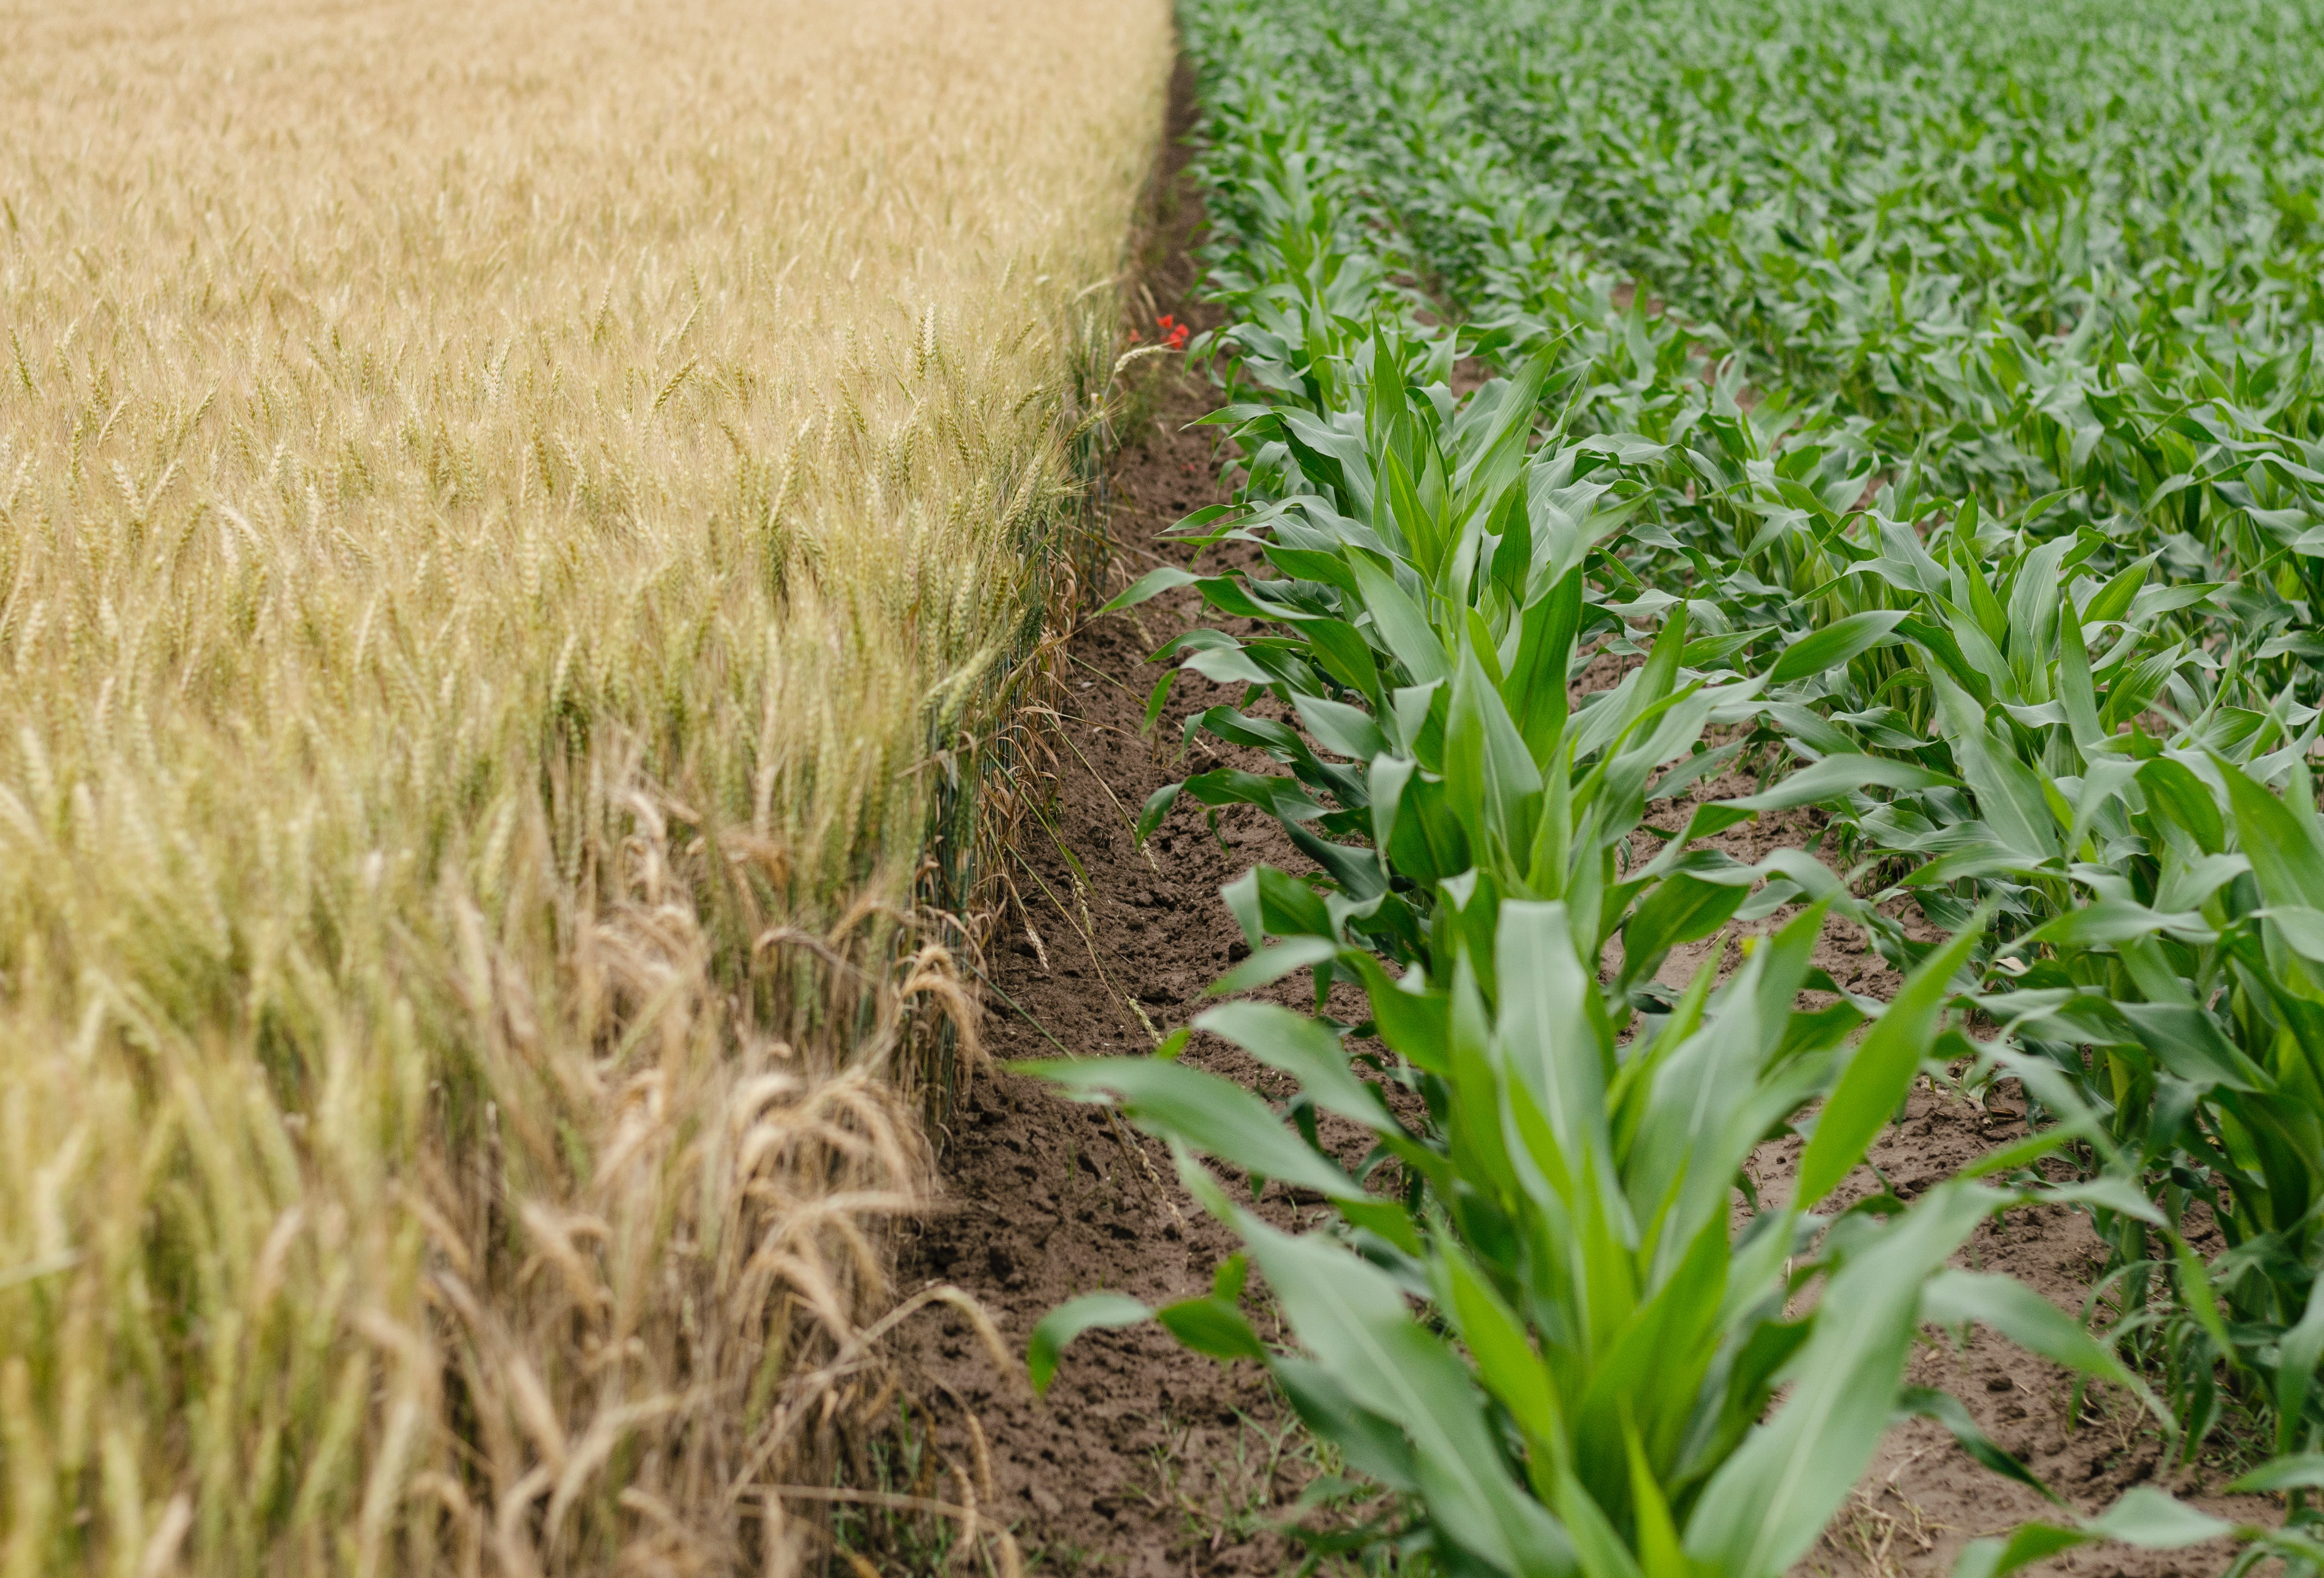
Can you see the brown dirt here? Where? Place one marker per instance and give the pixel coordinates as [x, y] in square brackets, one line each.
[1143, 1459]
[1146, 1460]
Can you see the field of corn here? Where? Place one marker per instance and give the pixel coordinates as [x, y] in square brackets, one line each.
[1918, 407]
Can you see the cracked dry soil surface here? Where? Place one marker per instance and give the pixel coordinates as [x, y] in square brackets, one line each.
[1146, 1460]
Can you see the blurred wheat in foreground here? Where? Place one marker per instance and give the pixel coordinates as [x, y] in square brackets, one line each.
[516, 522]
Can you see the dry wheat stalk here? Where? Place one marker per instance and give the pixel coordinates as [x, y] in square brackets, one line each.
[494, 504]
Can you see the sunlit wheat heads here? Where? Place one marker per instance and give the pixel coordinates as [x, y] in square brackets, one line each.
[500, 505]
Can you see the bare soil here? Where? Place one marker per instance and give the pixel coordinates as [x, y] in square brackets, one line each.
[1146, 1460]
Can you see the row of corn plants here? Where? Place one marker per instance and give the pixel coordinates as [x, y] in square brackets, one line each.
[2025, 615]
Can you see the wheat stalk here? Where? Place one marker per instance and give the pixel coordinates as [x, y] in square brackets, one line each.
[492, 504]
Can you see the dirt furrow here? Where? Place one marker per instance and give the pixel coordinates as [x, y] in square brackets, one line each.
[1144, 1459]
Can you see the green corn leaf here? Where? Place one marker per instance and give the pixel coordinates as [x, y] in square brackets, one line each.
[2032, 1322]
[1973, 592]
[1699, 765]
[2033, 608]
[1242, 900]
[1836, 776]
[1356, 869]
[1767, 1504]
[1288, 906]
[1488, 772]
[1415, 1025]
[2301, 928]
[1597, 1548]
[1881, 1072]
[2299, 1471]
[1505, 1361]
[1385, 784]
[2107, 921]
[1211, 1326]
[2106, 1194]
[1661, 1554]
[2008, 792]
[1156, 811]
[1372, 1446]
[1342, 653]
[2076, 692]
[1836, 644]
[1278, 797]
[1227, 664]
[1303, 1048]
[1157, 699]
[2295, 1370]
[1270, 965]
[1536, 692]
[1215, 1116]
[1681, 909]
[1151, 585]
[1422, 530]
[1659, 678]
[1946, 1409]
[1353, 1318]
[1551, 1028]
[2147, 1516]
[2112, 601]
[1346, 730]
[2026, 1543]
[2188, 1041]
[1069, 1320]
[2285, 857]
[1401, 625]
[2201, 1300]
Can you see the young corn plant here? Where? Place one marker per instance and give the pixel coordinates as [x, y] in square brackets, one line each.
[2143, 966]
[1424, 627]
[1536, 1316]
[2022, 693]
[2182, 1000]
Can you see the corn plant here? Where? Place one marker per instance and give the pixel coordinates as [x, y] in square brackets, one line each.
[2133, 898]
[1536, 1319]
[1430, 603]
[2178, 999]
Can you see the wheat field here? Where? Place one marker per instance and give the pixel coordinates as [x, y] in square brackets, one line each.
[516, 523]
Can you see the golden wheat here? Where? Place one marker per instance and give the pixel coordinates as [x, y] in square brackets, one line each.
[514, 520]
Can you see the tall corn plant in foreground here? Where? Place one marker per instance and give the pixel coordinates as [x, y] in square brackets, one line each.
[1535, 1318]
